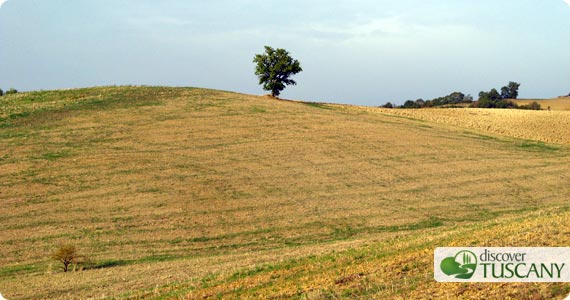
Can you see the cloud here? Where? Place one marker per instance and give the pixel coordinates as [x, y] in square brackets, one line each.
[385, 31]
[2, 2]
[148, 21]
[567, 2]
[391, 25]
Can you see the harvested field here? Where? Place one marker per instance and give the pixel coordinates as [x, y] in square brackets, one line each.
[400, 268]
[181, 193]
[562, 103]
[541, 126]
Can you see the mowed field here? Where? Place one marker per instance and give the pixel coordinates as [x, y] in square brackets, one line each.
[184, 193]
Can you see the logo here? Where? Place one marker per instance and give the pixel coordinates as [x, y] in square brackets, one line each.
[460, 266]
[507, 264]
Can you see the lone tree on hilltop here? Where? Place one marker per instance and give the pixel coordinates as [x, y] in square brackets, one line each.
[274, 68]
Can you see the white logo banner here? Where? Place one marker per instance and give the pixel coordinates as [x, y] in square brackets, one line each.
[491, 264]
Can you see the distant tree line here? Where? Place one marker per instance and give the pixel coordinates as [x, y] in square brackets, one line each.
[450, 100]
[8, 92]
[494, 99]
[490, 99]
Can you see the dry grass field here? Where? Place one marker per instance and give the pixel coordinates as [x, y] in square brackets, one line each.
[562, 103]
[533, 126]
[183, 193]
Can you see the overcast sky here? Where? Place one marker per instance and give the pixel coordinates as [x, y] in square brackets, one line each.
[357, 51]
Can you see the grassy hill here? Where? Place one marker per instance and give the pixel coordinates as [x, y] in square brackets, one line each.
[192, 193]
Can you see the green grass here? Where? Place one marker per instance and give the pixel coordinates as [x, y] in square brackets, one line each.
[52, 156]
[318, 105]
[45, 105]
[19, 269]
[255, 109]
[538, 146]
[483, 137]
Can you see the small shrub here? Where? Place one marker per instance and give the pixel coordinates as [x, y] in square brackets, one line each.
[67, 255]
[506, 104]
[1, 92]
[532, 106]
[11, 91]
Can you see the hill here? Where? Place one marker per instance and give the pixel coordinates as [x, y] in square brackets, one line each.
[193, 193]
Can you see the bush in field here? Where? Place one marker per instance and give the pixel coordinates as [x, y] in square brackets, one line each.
[1, 92]
[11, 91]
[67, 255]
[532, 106]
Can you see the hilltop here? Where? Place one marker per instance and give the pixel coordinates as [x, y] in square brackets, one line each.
[194, 193]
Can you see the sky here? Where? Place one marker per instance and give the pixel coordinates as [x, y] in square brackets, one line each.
[364, 52]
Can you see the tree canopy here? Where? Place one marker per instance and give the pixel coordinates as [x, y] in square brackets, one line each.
[274, 69]
[494, 99]
[511, 91]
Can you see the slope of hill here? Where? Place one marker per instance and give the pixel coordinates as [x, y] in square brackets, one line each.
[397, 268]
[193, 193]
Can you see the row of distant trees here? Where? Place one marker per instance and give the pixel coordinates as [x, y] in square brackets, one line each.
[490, 99]
[494, 99]
[8, 92]
[452, 99]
